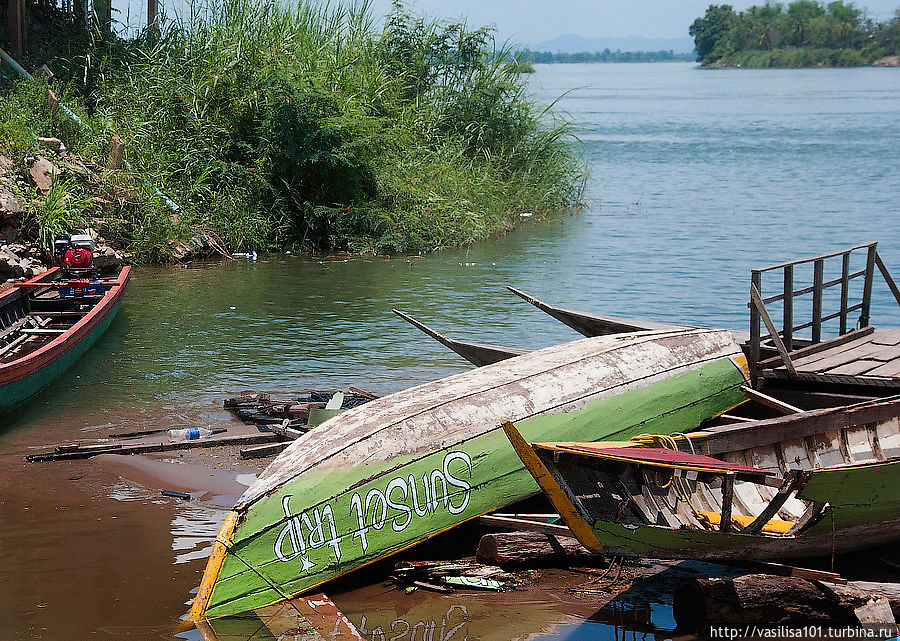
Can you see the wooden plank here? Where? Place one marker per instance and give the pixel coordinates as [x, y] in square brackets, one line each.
[830, 361]
[163, 446]
[845, 290]
[888, 369]
[888, 336]
[727, 500]
[761, 308]
[731, 438]
[806, 290]
[755, 284]
[78, 314]
[737, 419]
[16, 326]
[887, 277]
[262, 451]
[797, 354]
[779, 569]
[769, 401]
[801, 261]
[526, 525]
[791, 483]
[887, 354]
[867, 288]
[818, 275]
[43, 331]
[855, 367]
[788, 315]
[836, 379]
[848, 347]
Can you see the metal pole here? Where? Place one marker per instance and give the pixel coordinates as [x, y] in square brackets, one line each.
[152, 12]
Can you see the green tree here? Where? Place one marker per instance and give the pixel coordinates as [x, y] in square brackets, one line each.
[708, 30]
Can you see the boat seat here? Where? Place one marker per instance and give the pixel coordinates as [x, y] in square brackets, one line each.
[774, 526]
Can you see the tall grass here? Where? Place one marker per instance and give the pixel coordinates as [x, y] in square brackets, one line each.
[306, 125]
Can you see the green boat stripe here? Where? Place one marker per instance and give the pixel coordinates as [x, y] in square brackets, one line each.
[698, 364]
[491, 480]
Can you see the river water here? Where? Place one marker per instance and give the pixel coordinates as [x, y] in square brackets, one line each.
[697, 176]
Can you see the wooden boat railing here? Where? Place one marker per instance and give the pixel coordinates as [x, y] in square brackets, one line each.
[786, 340]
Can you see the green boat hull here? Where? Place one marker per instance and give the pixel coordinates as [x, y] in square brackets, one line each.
[323, 524]
[17, 392]
[864, 511]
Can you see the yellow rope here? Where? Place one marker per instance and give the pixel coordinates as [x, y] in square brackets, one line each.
[683, 489]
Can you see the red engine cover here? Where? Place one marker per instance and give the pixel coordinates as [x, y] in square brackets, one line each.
[79, 258]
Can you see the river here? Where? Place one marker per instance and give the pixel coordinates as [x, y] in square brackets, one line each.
[697, 176]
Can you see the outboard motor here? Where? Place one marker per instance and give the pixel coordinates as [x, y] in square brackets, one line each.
[75, 257]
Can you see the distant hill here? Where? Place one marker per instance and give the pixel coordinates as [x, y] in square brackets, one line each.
[571, 43]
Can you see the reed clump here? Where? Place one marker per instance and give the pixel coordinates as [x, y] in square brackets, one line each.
[308, 126]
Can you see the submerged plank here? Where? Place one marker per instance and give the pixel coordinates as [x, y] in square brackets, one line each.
[145, 448]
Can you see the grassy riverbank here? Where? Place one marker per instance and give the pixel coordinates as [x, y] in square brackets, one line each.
[804, 33]
[306, 127]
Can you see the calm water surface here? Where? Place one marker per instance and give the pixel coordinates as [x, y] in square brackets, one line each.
[697, 176]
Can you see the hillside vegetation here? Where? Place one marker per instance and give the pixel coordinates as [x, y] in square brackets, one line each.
[276, 126]
[802, 34]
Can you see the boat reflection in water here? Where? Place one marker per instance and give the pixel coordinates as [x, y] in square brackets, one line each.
[312, 618]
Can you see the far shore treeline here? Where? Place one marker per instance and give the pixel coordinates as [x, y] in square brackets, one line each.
[603, 56]
[274, 126]
[803, 33]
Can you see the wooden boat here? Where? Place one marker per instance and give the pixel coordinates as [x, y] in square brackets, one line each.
[807, 484]
[402, 468]
[593, 324]
[590, 325]
[46, 324]
[312, 618]
[478, 354]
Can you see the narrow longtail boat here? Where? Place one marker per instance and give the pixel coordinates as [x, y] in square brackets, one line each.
[807, 484]
[479, 354]
[594, 324]
[402, 468]
[47, 323]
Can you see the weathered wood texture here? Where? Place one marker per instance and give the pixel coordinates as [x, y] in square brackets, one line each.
[400, 469]
[533, 549]
[872, 359]
[848, 359]
[144, 448]
[772, 601]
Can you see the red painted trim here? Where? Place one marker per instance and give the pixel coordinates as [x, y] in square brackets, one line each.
[40, 358]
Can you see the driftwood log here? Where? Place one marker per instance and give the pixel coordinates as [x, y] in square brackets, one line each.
[769, 601]
[533, 549]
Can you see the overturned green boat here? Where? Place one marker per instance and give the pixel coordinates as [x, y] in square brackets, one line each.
[385, 476]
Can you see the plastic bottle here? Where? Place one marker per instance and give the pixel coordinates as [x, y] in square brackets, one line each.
[189, 434]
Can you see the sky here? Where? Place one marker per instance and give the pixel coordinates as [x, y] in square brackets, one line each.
[532, 21]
